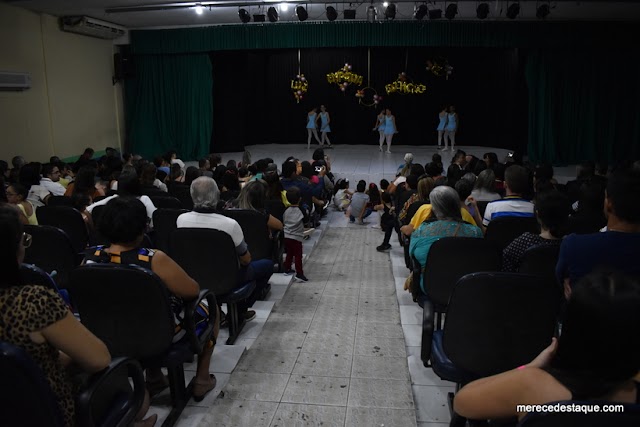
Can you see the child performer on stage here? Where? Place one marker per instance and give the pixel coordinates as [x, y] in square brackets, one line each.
[324, 126]
[451, 128]
[312, 117]
[380, 127]
[441, 125]
[389, 129]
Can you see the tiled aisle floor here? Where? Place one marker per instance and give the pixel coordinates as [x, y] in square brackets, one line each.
[331, 352]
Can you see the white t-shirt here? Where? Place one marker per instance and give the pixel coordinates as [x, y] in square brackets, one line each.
[54, 188]
[37, 194]
[180, 162]
[146, 201]
[216, 222]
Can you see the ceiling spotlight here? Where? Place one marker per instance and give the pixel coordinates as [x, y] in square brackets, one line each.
[244, 16]
[421, 12]
[199, 9]
[272, 14]
[349, 14]
[371, 13]
[302, 13]
[543, 11]
[451, 11]
[390, 11]
[385, 4]
[332, 14]
[513, 10]
[284, 7]
[482, 11]
[435, 13]
[258, 18]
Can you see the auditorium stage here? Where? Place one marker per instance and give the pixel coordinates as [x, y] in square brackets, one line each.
[356, 162]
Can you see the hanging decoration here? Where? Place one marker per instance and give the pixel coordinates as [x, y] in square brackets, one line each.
[404, 86]
[440, 67]
[344, 77]
[299, 87]
[368, 97]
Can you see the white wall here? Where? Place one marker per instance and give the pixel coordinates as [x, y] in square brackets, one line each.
[71, 104]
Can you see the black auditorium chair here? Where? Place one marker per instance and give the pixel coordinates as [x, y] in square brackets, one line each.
[128, 307]
[98, 239]
[482, 206]
[629, 416]
[67, 219]
[182, 192]
[34, 275]
[164, 223]
[219, 270]
[502, 231]
[495, 323]
[105, 399]
[262, 245]
[52, 251]
[166, 202]
[449, 259]
[541, 261]
[59, 201]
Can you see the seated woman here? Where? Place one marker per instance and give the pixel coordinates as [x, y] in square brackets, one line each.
[425, 185]
[445, 204]
[17, 196]
[598, 365]
[252, 197]
[484, 189]
[589, 215]
[552, 211]
[147, 181]
[36, 319]
[123, 223]
[85, 183]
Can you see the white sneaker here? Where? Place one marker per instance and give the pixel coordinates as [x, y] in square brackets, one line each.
[381, 149]
[388, 151]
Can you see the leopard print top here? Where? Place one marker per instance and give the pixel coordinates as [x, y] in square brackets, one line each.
[26, 309]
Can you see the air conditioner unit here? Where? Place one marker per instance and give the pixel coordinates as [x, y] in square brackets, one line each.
[91, 27]
[14, 81]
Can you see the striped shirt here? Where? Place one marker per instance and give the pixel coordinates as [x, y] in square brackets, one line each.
[510, 206]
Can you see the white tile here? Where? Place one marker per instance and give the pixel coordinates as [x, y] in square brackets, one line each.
[263, 308]
[246, 342]
[209, 399]
[277, 292]
[253, 328]
[411, 314]
[224, 359]
[412, 335]
[431, 403]
[420, 374]
[191, 416]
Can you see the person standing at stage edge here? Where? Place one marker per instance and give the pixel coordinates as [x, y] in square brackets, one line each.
[324, 126]
[442, 116]
[312, 118]
[390, 128]
[451, 128]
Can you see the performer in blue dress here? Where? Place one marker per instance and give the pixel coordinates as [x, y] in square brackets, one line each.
[451, 128]
[380, 127]
[312, 117]
[324, 126]
[390, 128]
[441, 125]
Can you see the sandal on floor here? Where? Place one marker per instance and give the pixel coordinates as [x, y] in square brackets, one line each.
[156, 386]
[201, 389]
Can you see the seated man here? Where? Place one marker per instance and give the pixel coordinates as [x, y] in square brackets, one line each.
[50, 179]
[206, 195]
[614, 249]
[516, 181]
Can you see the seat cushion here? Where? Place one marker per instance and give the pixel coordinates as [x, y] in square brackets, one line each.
[239, 293]
[442, 366]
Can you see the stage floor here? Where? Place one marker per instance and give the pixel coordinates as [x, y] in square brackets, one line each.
[356, 162]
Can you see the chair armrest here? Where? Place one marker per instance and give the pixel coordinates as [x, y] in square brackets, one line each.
[108, 398]
[427, 331]
[197, 341]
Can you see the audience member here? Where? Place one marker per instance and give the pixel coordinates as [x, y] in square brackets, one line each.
[552, 211]
[50, 179]
[29, 177]
[464, 188]
[176, 173]
[205, 167]
[191, 174]
[17, 162]
[294, 233]
[252, 197]
[615, 249]
[17, 196]
[601, 322]
[491, 160]
[147, 181]
[456, 169]
[589, 215]
[584, 171]
[388, 220]
[85, 183]
[342, 197]
[174, 160]
[84, 159]
[425, 185]
[359, 202]
[484, 189]
[405, 168]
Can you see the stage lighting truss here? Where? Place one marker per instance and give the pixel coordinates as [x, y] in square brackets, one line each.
[272, 14]
[332, 13]
[482, 11]
[301, 13]
[451, 10]
[390, 11]
[543, 9]
[420, 12]
[513, 10]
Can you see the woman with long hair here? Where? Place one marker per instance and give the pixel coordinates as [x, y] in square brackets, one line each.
[17, 196]
[85, 183]
[484, 189]
[252, 197]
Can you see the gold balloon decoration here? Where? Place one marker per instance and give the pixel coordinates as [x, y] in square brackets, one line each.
[368, 97]
[299, 87]
[440, 67]
[404, 87]
[344, 77]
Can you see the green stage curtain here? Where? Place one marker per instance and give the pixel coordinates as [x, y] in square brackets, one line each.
[397, 33]
[583, 104]
[169, 105]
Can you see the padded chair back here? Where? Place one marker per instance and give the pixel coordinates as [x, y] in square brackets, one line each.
[208, 256]
[27, 399]
[451, 258]
[182, 192]
[126, 306]
[502, 231]
[166, 202]
[498, 321]
[67, 219]
[51, 250]
[541, 261]
[97, 238]
[255, 230]
[60, 201]
[34, 275]
[275, 208]
[630, 417]
[164, 223]
[482, 206]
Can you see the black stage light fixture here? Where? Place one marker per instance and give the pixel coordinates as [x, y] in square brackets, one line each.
[421, 12]
[349, 14]
[543, 11]
[390, 11]
[272, 14]
[258, 18]
[435, 13]
[244, 16]
[482, 11]
[513, 10]
[302, 13]
[332, 14]
[451, 11]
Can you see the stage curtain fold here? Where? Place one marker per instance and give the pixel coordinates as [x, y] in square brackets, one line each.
[398, 33]
[583, 105]
[169, 105]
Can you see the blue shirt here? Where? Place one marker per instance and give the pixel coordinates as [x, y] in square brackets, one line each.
[580, 254]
